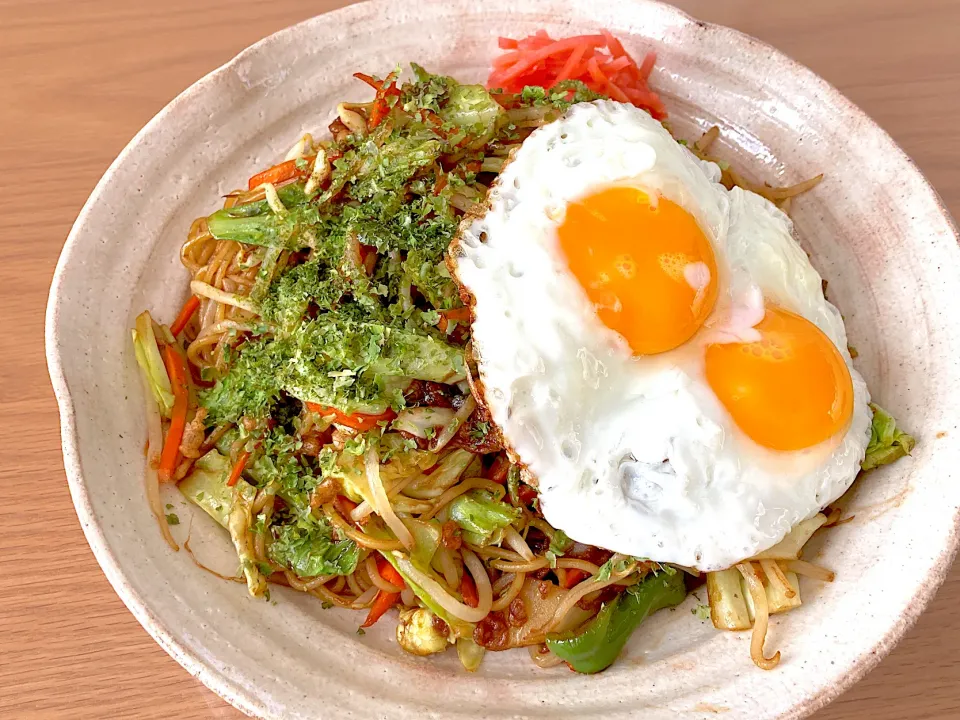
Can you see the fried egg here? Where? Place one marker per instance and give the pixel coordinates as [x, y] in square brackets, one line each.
[656, 350]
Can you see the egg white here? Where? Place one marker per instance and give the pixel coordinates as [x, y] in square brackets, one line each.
[637, 455]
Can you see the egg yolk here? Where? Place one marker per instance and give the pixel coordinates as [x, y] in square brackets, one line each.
[789, 391]
[644, 263]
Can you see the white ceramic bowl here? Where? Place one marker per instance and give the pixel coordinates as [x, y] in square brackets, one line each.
[875, 229]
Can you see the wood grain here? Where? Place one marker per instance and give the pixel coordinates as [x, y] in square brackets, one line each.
[80, 77]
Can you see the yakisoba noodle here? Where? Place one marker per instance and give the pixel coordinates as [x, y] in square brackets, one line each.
[372, 507]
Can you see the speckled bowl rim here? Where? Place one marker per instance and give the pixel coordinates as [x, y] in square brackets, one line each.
[200, 668]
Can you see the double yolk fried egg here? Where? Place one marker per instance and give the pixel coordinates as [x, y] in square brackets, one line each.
[657, 350]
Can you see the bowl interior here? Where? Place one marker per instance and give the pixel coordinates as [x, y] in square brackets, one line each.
[874, 229]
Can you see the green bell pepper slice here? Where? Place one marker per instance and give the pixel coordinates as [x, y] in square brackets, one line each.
[599, 642]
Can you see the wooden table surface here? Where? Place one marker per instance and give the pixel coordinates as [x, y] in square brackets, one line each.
[79, 77]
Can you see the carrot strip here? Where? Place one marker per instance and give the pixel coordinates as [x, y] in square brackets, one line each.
[177, 371]
[559, 46]
[389, 573]
[384, 602]
[375, 84]
[499, 470]
[189, 308]
[344, 505]
[507, 44]
[381, 108]
[277, 174]
[357, 421]
[573, 577]
[600, 61]
[468, 589]
[614, 66]
[649, 60]
[615, 46]
[238, 467]
[507, 59]
[461, 314]
[526, 494]
[598, 77]
[571, 67]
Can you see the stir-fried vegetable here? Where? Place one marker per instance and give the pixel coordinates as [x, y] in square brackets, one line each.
[597, 645]
[189, 309]
[482, 517]
[238, 467]
[177, 372]
[257, 224]
[205, 486]
[789, 548]
[471, 109]
[539, 60]
[419, 634]
[728, 605]
[887, 442]
[353, 454]
[151, 362]
[307, 547]
[470, 654]
[280, 173]
[332, 361]
[385, 600]
[427, 594]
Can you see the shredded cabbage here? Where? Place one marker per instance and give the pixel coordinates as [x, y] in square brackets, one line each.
[150, 361]
[887, 442]
[307, 547]
[471, 108]
[482, 517]
[206, 487]
[404, 565]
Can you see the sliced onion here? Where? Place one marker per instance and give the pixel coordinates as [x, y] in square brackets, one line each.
[470, 654]
[376, 578]
[542, 657]
[365, 509]
[154, 446]
[381, 503]
[417, 421]
[303, 148]
[509, 594]
[444, 476]
[447, 567]
[365, 599]
[321, 169]
[513, 540]
[462, 415]
[443, 598]
[480, 578]
[209, 291]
